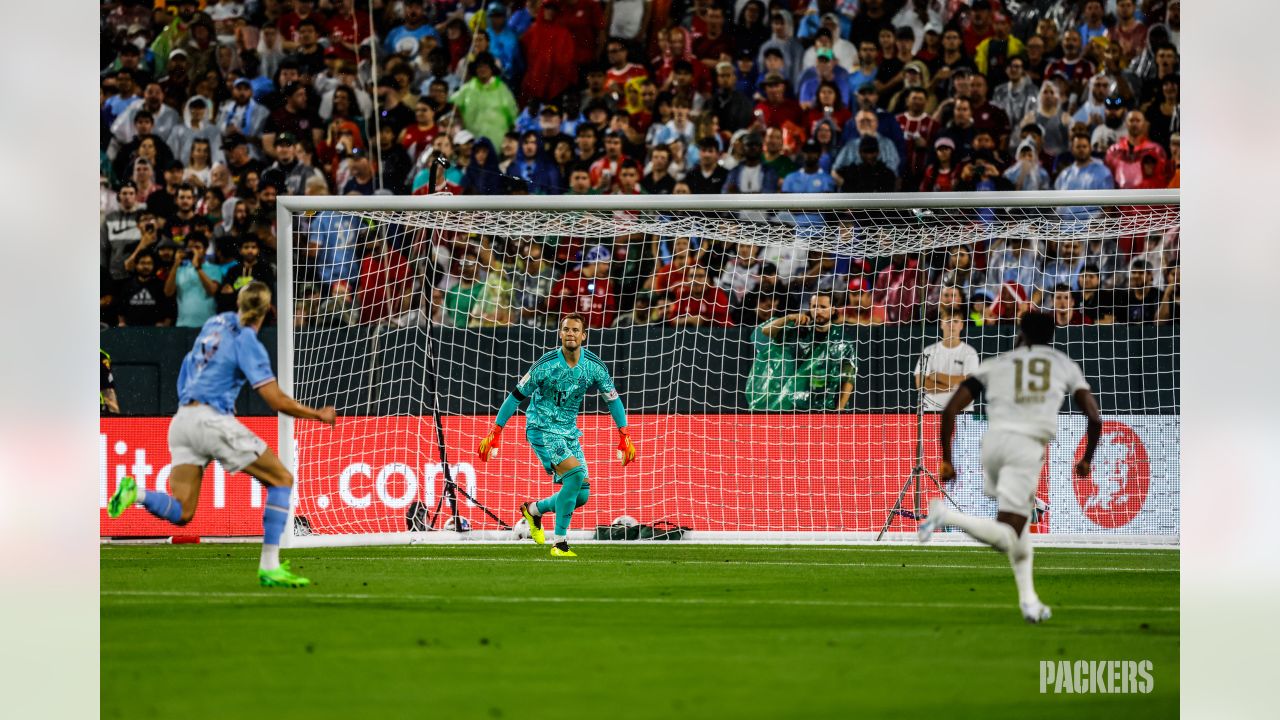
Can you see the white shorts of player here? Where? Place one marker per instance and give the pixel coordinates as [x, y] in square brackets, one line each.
[198, 434]
[1011, 466]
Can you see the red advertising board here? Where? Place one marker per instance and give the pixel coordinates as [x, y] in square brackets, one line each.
[799, 473]
[709, 472]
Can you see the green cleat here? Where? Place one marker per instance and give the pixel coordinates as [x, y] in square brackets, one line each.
[561, 549]
[126, 493]
[535, 525]
[281, 577]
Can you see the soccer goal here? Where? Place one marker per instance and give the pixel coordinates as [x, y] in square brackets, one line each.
[416, 315]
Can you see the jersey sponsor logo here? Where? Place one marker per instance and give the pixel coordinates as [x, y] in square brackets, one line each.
[1116, 489]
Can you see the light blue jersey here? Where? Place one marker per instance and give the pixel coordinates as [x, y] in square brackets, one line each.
[555, 391]
[224, 356]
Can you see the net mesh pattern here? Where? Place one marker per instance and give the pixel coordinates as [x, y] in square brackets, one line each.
[790, 433]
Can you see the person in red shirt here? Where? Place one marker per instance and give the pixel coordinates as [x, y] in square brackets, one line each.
[604, 172]
[347, 29]
[715, 45]
[672, 274]
[585, 22]
[1064, 308]
[698, 302]
[1124, 158]
[777, 108]
[287, 24]
[549, 70]
[385, 277]
[621, 69]
[977, 26]
[587, 290]
[417, 137]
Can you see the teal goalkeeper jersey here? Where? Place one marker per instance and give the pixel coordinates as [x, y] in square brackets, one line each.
[555, 391]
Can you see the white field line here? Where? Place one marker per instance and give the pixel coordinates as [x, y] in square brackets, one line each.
[132, 596]
[612, 561]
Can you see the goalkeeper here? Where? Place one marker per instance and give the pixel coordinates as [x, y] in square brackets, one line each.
[804, 362]
[555, 386]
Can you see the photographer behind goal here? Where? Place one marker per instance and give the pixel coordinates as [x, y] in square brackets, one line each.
[804, 361]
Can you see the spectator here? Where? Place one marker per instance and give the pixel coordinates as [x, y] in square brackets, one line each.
[1171, 300]
[183, 215]
[1086, 172]
[860, 308]
[751, 175]
[951, 61]
[895, 288]
[1138, 302]
[1026, 173]
[986, 115]
[1164, 117]
[776, 157]
[290, 174]
[242, 115]
[162, 201]
[993, 54]
[120, 231]
[1124, 158]
[163, 117]
[392, 111]
[494, 305]
[671, 274]
[414, 28]
[1091, 25]
[938, 176]
[193, 283]
[250, 268]
[810, 178]
[200, 166]
[628, 179]
[532, 283]
[294, 117]
[826, 71]
[803, 361]
[550, 70]
[1088, 299]
[869, 174]
[776, 110]
[1128, 34]
[1073, 65]
[961, 130]
[697, 302]
[783, 40]
[1016, 96]
[482, 176]
[740, 274]
[1112, 129]
[1064, 308]
[945, 364]
[731, 107]
[487, 107]
[868, 67]
[588, 290]
[140, 298]
[866, 126]
[658, 181]
[708, 177]
[919, 129]
[1093, 110]
[359, 179]
[647, 310]
[1164, 64]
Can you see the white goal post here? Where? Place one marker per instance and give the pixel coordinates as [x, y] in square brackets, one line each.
[415, 316]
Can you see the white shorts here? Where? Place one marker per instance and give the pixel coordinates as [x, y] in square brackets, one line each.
[198, 434]
[1011, 465]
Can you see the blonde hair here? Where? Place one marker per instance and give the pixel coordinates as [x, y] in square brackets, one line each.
[253, 302]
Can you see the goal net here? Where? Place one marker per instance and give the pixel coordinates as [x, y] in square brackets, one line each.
[776, 356]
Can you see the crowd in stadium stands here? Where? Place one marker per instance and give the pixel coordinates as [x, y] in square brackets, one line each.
[211, 109]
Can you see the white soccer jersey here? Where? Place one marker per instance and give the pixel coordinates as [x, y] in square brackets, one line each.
[1024, 389]
[938, 358]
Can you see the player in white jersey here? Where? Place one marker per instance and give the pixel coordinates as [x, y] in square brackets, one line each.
[1024, 389]
[946, 363]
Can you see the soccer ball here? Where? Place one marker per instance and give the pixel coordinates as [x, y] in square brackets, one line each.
[520, 531]
[625, 521]
[458, 524]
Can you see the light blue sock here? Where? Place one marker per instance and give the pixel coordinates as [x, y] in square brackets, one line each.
[567, 499]
[275, 514]
[163, 506]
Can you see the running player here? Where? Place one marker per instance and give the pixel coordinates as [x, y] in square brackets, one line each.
[1024, 390]
[226, 353]
[555, 386]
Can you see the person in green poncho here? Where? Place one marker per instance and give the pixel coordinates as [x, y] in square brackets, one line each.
[803, 362]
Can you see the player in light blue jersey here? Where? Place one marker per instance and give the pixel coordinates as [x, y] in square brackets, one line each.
[554, 387]
[226, 354]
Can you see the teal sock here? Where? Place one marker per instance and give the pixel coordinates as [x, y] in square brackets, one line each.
[547, 504]
[567, 499]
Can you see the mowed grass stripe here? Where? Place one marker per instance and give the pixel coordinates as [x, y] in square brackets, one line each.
[303, 595]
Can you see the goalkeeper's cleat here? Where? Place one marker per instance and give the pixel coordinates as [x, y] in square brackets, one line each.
[125, 495]
[1035, 611]
[932, 522]
[281, 577]
[561, 549]
[535, 525]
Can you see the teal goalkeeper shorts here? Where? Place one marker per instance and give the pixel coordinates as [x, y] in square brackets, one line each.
[553, 449]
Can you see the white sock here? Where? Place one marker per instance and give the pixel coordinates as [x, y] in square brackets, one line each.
[1020, 556]
[992, 532]
[559, 539]
[270, 557]
[533, 509]
[142, 495]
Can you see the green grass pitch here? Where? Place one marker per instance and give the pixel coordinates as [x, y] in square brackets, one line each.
[659, 630]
